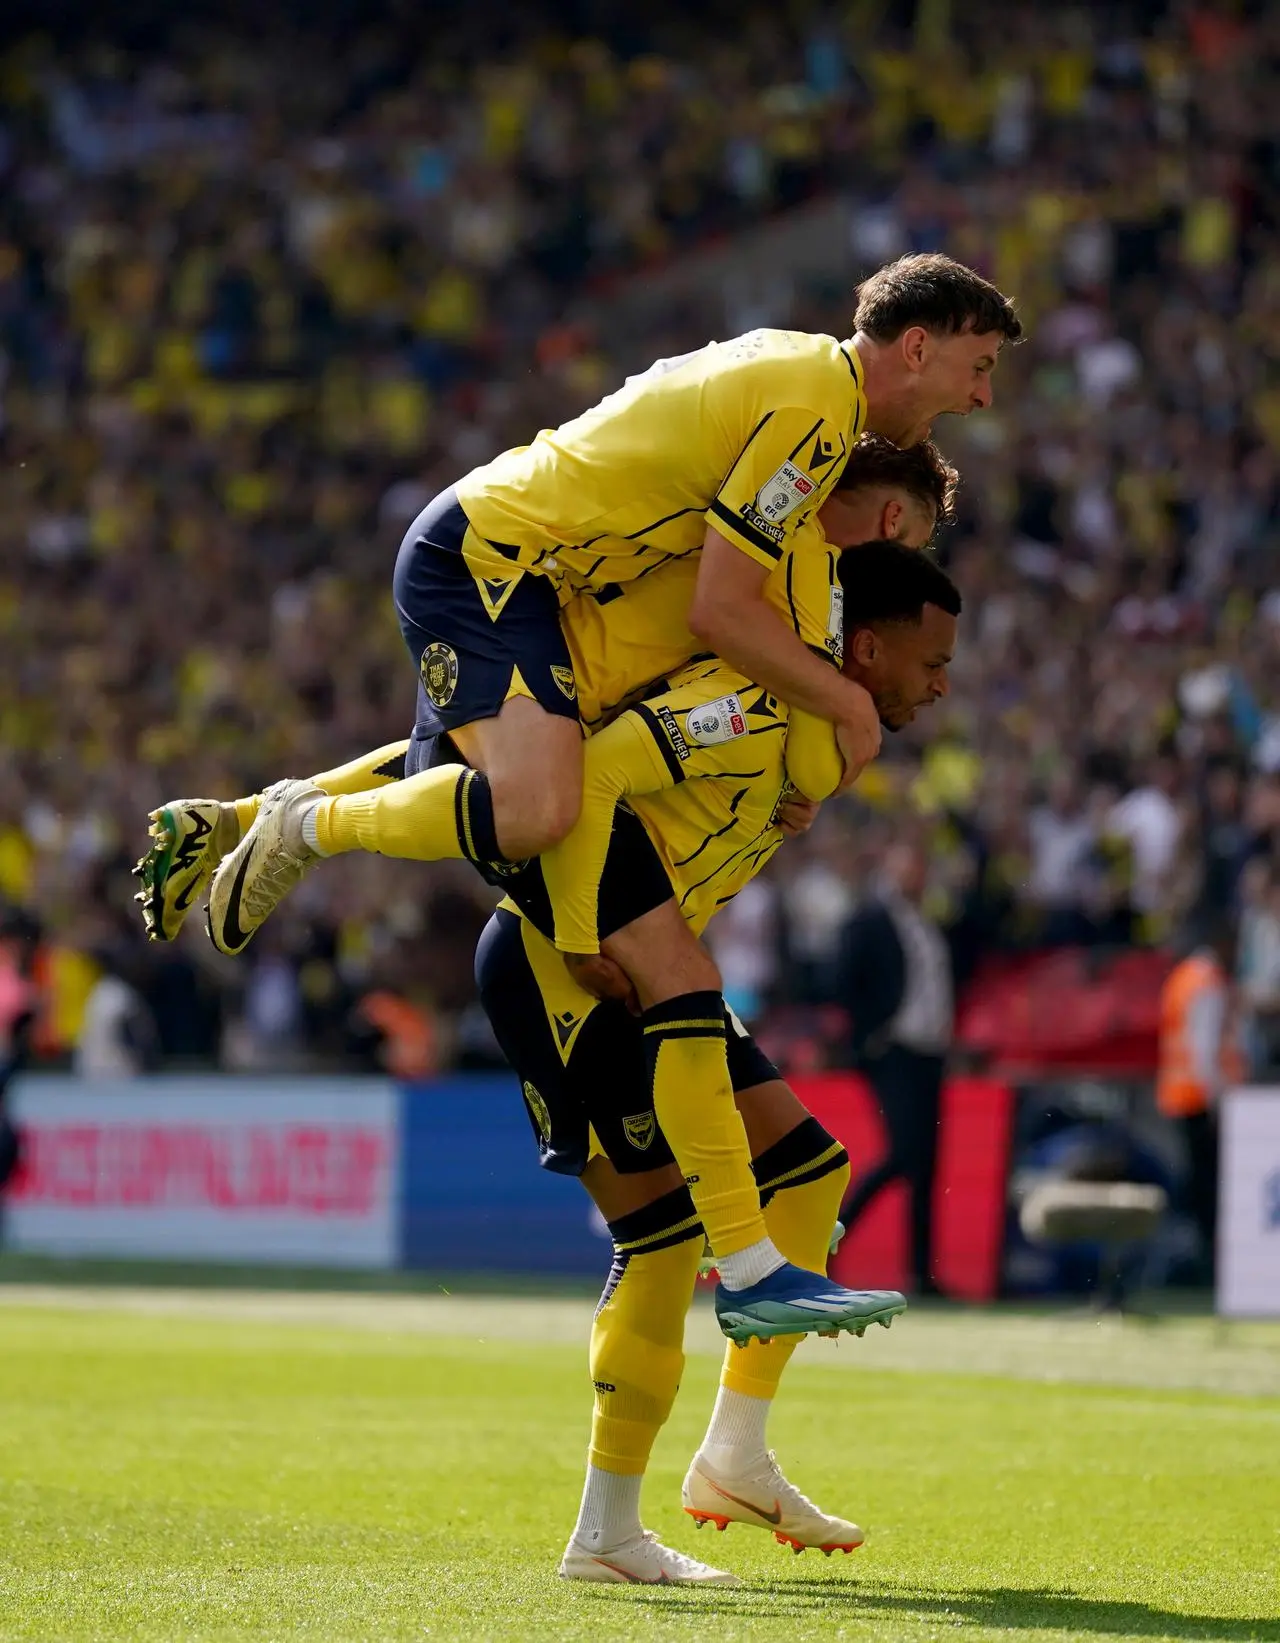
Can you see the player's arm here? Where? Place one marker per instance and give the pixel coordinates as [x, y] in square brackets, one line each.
[781, 476]
[815, 766]
[626, 757]
[731, 616]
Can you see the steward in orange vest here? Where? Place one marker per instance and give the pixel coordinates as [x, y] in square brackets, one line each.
[1199, 1057]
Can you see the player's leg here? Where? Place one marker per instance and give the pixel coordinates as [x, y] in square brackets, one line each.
[636, 1360]
[562, 1047]
[734, 1477]
[517, 794]
[802, 1171]
[762, 1292]
[683, 1023]
[189, 837]
[495, 674]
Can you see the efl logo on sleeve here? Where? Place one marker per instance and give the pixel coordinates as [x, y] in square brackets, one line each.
[835, 624]
[784, 493]
[719, 721]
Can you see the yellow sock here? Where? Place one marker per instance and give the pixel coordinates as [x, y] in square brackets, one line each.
[371, 770]
[693, 1100]
[247, 811]
[800, 1220]
[444, 814]
[384, 764]
[637, 1347]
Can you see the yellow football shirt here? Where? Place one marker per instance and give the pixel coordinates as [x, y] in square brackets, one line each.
[709, 809]
[707, 734]
[627, 636]
[712, 752]
[713, 821]
[746, 435]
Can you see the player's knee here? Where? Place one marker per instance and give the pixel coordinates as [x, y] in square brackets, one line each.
[530, 819]
[697, 971]
[557, 811]
[663, 957]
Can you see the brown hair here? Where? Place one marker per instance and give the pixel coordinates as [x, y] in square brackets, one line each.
[920, 470]
[932, 291]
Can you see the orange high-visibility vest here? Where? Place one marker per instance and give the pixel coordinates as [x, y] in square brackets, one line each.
[408, 1037]
[1180, 1090]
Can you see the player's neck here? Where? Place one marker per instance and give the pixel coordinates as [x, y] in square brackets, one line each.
[887, 411]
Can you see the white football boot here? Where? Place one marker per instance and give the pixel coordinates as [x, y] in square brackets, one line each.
[644, 1561]
[267, 863]
[761, 1497]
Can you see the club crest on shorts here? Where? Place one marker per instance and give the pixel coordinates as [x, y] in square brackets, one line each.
[438, 671]
[538, 1107]
[718, 721]
[566, 684]
[789, 488]
[640, 1129]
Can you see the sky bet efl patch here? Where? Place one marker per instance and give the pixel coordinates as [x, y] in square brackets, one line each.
[718, 721]
[835, 624]
[784, 493]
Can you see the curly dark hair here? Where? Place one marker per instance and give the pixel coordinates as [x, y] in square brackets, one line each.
[920, 470]
[933, 291]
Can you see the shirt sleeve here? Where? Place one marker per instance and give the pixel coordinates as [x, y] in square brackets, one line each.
[815, 765]
[624, 758]
[805, 590]
[783, 472]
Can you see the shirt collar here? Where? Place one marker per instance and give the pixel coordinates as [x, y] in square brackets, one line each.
[854, 362]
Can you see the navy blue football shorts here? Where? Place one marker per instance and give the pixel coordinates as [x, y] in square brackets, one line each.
[475, 644]
[603, 1084]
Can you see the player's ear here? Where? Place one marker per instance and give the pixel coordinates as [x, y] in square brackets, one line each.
[862, 647]
[915, 345]
[891, 520]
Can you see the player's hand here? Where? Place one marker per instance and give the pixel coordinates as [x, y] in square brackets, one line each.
[797, 815]
[602, 978]
[858, 735]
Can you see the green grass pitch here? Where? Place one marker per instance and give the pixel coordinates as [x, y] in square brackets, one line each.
[178, 1466]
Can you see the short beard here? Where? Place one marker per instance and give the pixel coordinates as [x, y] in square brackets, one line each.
[884, 707]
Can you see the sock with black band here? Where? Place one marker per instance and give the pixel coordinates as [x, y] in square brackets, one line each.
[445, 814]
[371, 770]
[637, 1356]
[684, 1040]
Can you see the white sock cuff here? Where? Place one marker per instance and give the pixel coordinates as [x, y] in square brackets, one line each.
[750, 1265]
[738, 1424]
[309, 837]
[610, 1510]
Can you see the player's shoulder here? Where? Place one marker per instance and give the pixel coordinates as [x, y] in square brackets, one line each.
[800, 358]
[808, 540]
[708, 704]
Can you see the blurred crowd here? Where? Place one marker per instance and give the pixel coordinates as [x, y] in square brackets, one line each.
[262, 293]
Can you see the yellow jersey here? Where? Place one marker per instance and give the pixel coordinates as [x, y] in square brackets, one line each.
[704, 763]
[629, 635]
[714, 755]
[711, 754]
[713, 821]
[703, 758]
[747, 436]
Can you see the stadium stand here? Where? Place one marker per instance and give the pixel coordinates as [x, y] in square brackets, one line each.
[262, 293]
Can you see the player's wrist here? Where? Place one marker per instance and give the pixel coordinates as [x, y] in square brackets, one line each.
[851, 703]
